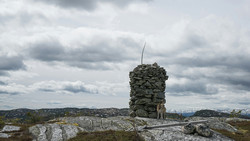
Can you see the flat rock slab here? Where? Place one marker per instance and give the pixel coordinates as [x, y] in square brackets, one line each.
[4, 135]
[54, 132]
[68, 127]
[9, 128]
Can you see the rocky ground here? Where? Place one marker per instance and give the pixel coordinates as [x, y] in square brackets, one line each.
[68, 127]
[62, 129]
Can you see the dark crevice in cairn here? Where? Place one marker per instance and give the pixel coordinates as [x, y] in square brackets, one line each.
[147, 83]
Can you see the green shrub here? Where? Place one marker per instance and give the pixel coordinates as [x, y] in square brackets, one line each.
[234, 113]
[2, 123]
[33, 118]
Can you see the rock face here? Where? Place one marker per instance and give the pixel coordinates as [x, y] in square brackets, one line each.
[54, 132]
[4, 135]
[68, 127]
[147, 83]
[199, 129]
[203, 130]
[188, 129]
[215, 122]
[7, 129]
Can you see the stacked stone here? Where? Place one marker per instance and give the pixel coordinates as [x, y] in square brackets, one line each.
[147, 83]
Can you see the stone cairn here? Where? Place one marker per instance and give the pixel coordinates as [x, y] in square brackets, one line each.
[147, 83]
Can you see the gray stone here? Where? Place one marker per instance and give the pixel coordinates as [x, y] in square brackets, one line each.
[10, 128]
[149, 91]
[136, 107]
[152, 115]
[4, 135]
[132, 114]
[69, 131]
[160, 95]
[151, 109]
[142, 101]
[158, 84]
[215, 123]
[141, 113]
[133, 98]
[148, 96]
[147, 83]
[137, 78]
[203, 130]
[39, 132]
[158, 100]
[188, 129]
[90, 124]
[54, 132]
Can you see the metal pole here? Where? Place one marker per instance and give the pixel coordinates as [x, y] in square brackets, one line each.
[142, 53]
[174, 124]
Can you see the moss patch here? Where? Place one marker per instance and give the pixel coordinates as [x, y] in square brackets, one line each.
[109, 135]
[244, 131]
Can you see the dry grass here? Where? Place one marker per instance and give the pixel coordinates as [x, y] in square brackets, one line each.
[244, 131]
[109, 135]
[21, 135]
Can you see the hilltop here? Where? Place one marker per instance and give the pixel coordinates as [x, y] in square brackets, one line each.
[48, 114]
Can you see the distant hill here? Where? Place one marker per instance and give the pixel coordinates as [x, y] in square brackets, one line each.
[48, 114]
[212, 113]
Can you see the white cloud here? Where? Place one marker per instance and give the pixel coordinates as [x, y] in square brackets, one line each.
[63, 48]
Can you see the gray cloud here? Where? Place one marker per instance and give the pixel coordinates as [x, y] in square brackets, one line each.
[9, 93]
[96, 56]
[235, 81]
[46, 90]
[77, 89]
[232, 62]
[65, 86]
[6, 107]
[2, 83]
[47, 51]
[231, 70]
[10, 64]
[3, 73]
[190, 87]
[196, 57]
[245, 102]
[89, 4]
[24, 18]
[54, 102]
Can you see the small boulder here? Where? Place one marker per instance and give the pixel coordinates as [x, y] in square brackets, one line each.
[141, 113]
[152, 115]
[132, 114]
[203, 130]
[188, 129]
[4, 135]
[10, 128]
[142, 101]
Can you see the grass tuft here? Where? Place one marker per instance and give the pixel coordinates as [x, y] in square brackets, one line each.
[109, 135]
[242, 135]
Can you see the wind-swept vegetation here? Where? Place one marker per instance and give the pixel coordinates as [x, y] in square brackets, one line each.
[109, 135]
[242, 135]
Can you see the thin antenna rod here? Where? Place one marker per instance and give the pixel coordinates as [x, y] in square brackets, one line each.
[142, 53]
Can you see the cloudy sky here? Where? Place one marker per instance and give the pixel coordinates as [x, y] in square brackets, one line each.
[78, 53]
